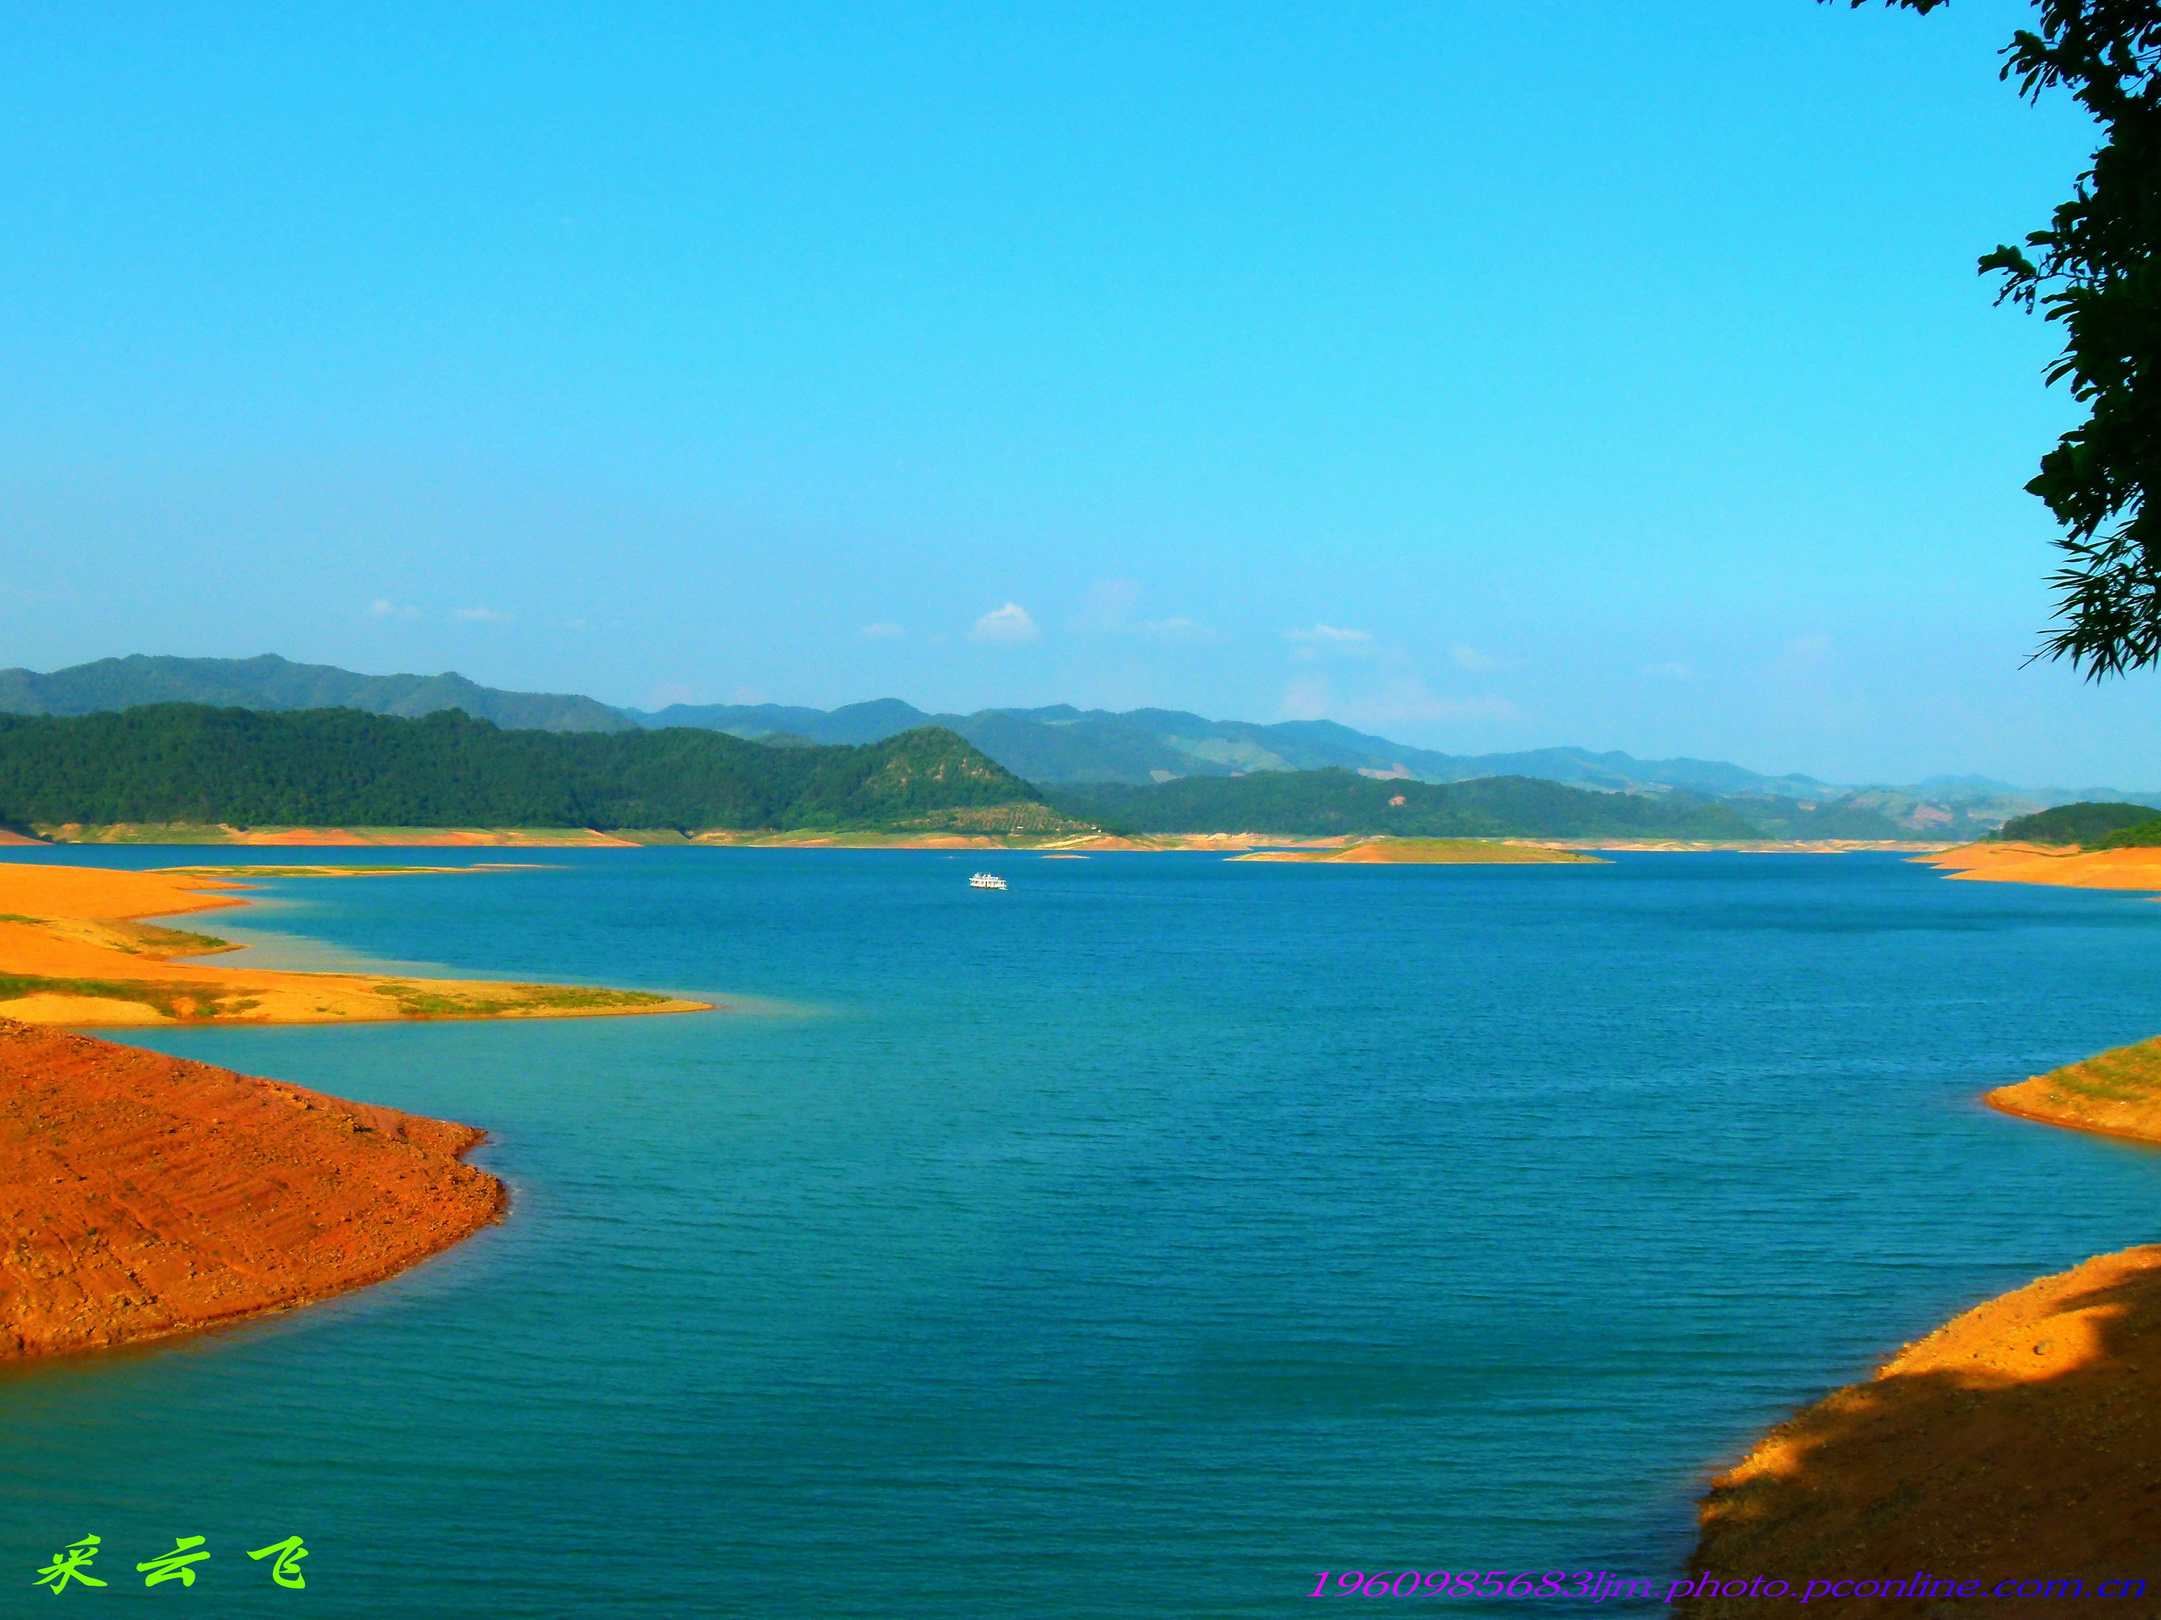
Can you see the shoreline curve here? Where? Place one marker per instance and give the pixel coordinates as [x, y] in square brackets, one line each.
[75, 950]
[2020, 1439]
[147, 1196]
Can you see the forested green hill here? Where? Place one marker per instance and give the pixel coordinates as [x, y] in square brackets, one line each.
[1329, 802]
[2085, 823]
[181, 762]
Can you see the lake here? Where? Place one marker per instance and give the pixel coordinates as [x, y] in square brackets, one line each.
[1145, 1240]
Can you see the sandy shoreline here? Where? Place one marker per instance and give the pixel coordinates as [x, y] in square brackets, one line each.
[2060, 867]
[2022, 1438]
[593, 838]
[144, 1195]
[75, 950]
[1428, 852]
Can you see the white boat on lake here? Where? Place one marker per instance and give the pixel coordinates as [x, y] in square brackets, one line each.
[986, 880]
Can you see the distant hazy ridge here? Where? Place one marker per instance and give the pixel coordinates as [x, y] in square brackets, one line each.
[270, 682]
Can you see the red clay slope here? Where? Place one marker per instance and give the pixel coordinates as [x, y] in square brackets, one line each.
[143, 1195]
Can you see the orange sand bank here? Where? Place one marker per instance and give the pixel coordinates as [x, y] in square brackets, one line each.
[337, 837]
[144, 1195]
[1084, 842]
[72, 951]
[2021, 1439]
[2043, 863]
[1429, 852]
[2117, 1093]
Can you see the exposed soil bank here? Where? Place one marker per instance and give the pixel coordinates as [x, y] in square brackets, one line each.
[2117, 1093]
[1139, 843]
[2021, 1440]
[143, 1195]
[335, 837]
[73, 951]
[1429, 852]
[2065, 866]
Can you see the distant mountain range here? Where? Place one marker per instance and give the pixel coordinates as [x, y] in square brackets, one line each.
[1062, 746]
[1065, 744]
[274, 683]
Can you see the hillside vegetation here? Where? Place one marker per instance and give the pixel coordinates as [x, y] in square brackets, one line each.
[1058, 744]
[331, 767]
[2084, 824]
[1330, 802]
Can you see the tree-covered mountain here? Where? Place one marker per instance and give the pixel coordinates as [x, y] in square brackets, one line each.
[1330, 802]
[338, 767]
[274, 683]
[1062, 744]
[2083, 824]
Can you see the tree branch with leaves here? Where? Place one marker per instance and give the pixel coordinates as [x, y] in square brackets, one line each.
[2094, 269]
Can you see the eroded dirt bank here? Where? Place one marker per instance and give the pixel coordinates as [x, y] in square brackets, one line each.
[2021, 1440]
[143, 1195]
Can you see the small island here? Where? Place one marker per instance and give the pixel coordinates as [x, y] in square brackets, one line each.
[1431, 852]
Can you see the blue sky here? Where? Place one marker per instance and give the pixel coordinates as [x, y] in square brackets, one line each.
[1488, 376]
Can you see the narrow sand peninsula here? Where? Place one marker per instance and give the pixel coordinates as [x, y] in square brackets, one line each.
[2117, 1093]
[1429, 852]
[74, 951]
[144, 1195]
[2065, 866]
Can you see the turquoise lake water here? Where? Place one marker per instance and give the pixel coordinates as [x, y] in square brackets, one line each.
[1142, 1241]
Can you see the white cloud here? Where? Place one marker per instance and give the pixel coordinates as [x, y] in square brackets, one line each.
[1107, 605]
[1393, 704]
[1007, 626]
[383, 608]
[883, 631]
[1107, 610]
[1330, 641]
[1307, 700]
[1472, 658]
[1805, 655]
[1672, 671]
[483, 615]
[1179, 632]
[1421, 705]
